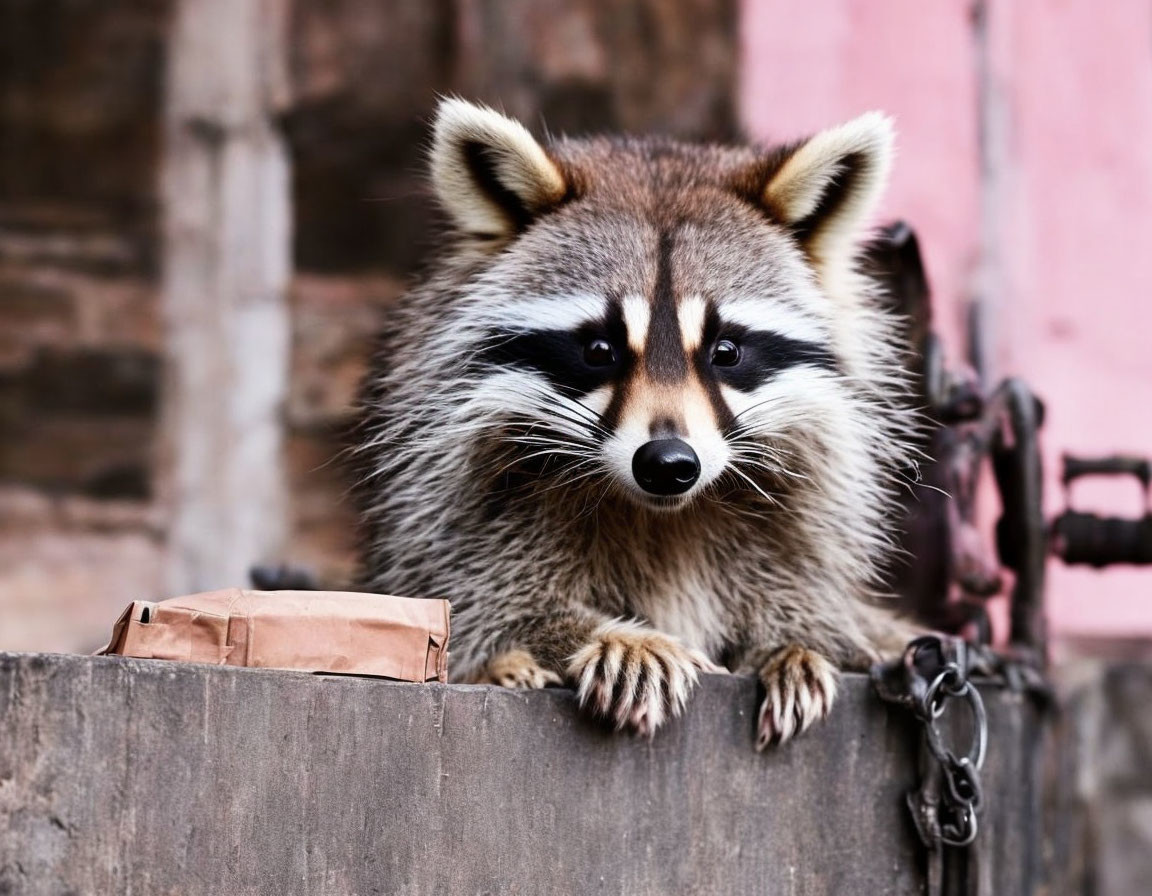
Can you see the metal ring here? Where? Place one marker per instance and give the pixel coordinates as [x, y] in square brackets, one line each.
[949, 672]
[979, 718]
[970, 827]
[963, 784]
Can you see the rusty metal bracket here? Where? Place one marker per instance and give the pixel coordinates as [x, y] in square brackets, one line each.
[1089, 539]
[957, 567]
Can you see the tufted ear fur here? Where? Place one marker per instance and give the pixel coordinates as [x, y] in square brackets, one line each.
[489, 173]
[826, 188]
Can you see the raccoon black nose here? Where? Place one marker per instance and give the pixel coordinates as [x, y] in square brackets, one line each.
[666, 466]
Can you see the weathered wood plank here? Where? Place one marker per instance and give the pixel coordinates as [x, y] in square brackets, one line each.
[131, 776]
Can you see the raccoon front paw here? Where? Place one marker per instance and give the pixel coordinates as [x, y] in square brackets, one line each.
[800, 686]
[635, 677]
[516, 669]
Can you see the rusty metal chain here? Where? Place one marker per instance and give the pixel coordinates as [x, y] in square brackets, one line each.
[962, 796]
[929, 678]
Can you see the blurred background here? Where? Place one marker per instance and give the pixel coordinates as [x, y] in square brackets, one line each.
[206, 207]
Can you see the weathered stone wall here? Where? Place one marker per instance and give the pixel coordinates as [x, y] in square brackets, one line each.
[80, 337]
[365, 77]
[88, 443]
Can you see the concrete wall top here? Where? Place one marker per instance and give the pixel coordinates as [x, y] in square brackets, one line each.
[132, 776]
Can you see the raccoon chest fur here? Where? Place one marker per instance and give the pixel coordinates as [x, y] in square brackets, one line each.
[671, 577]
[690, 608]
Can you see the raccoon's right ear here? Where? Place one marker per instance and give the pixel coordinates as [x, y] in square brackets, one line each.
[489, 173]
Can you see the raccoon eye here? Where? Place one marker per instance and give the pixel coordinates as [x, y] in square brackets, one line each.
[599, 353]
[726, 353]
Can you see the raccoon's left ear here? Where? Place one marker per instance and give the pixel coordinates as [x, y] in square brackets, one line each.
[489, 173]
[826, 188]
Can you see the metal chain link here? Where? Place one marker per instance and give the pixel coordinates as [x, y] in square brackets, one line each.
[931, 675]
[962, 797]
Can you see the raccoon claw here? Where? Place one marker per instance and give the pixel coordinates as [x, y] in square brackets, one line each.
[800, 686]
[516, 669]
[636, 677]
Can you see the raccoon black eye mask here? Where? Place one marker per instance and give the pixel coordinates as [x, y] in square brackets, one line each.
[577, 361]
[752, 357]
[585, 359]
[644, 416]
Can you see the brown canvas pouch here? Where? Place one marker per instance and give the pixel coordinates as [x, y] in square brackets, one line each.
[313, 631]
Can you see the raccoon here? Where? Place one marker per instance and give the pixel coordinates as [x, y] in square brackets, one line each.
[644, 418]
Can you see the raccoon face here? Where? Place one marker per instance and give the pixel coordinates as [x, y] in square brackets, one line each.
[657, 316]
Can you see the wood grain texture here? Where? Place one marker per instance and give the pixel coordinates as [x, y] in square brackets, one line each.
[135, 776]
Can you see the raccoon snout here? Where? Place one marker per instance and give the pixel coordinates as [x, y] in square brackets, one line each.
[666, 466]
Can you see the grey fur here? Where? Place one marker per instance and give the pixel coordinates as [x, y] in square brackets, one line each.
[490, 488]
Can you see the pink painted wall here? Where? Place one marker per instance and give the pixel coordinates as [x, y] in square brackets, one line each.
[1025, 164]
[806, 67]
[1075, 81]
